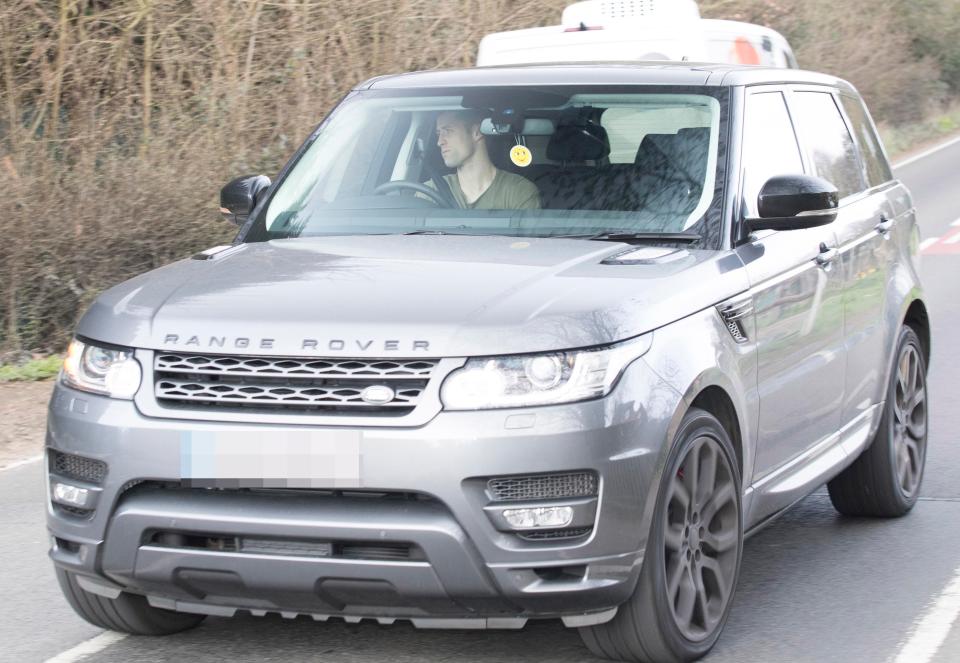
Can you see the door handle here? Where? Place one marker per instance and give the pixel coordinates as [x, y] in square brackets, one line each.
[826, 255]
[884, 226]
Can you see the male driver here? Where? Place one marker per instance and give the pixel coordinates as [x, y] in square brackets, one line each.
[478, 184]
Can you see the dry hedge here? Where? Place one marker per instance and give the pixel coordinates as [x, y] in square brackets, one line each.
[120, 120]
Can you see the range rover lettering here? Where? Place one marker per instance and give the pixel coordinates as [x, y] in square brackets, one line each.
[504, 344]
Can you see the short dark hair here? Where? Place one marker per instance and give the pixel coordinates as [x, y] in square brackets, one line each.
[469, 116]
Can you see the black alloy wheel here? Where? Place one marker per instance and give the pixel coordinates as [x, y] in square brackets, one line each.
[884, 481]
[701, 535]
[692, 558]
[910, 419]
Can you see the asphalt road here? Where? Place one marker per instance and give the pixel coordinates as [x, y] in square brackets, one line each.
[814, 586]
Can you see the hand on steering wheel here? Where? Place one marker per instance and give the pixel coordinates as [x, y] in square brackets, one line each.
[429, 192]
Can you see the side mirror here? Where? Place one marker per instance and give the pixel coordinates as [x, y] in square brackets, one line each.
[795, 202]
[240, 196]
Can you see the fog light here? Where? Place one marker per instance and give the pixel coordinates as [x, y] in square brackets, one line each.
[64, 493]
[544, 516]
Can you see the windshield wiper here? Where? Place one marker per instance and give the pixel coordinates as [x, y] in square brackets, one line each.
[626, 236]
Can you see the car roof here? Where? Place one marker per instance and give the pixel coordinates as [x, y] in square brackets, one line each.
[607, 73]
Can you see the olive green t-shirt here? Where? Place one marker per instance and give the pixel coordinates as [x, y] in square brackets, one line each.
[507, 191]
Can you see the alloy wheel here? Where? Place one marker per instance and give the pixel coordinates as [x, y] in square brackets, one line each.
[909, 420]
[701, 539]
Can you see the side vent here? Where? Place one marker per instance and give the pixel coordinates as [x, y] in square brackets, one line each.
[733, 314]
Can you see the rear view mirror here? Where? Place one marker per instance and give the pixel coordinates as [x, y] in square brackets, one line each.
[240, 196]
[532, 126]
[795, 202]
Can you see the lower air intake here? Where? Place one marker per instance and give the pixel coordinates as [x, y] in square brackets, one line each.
[542, 487]
[555, 534]
[70, 466]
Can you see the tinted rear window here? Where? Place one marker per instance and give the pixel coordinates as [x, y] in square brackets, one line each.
[826, 137]
[875, 163]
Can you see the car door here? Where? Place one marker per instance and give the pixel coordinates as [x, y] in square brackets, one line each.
[797, 295]
[869, 246]
[863, 226]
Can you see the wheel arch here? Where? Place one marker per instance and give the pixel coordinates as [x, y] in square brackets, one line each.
[717, 402]
[916, 318]
[714, 392]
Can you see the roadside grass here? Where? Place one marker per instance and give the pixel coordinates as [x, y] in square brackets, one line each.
[903, 138]
[34, 369]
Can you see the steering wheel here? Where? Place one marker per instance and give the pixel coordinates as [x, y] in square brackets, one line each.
[432, 194]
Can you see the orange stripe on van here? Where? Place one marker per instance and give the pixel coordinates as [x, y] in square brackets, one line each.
[744, 52]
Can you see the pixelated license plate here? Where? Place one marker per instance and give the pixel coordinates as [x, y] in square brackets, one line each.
[244, 459]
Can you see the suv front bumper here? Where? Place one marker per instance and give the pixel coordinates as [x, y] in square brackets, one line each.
[423, 488]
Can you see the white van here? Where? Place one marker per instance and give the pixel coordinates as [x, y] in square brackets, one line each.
[638, 30]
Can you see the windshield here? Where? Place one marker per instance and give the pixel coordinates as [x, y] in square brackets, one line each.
[525, 162]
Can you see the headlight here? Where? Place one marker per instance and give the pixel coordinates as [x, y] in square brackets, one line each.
[100, 370]
[541, 379]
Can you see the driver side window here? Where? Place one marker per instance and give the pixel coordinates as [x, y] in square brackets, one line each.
[769, 145]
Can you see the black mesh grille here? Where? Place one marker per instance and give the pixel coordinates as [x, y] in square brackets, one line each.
[553, 534]
[543, 487]
[289, 547]
[329, 386]
[77, 467]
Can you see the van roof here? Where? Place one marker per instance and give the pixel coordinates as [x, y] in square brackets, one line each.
[605, 73]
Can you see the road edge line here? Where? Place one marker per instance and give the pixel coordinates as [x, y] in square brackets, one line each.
[20, 463]
[88, 647]
[926, 153]
[927, 243]
[930, 631]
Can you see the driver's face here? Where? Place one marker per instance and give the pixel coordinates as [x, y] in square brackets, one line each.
[456, 139]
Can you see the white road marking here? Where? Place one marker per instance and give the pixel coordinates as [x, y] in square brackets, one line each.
[20, 463]
[956, 223]
[926, 153]
[88, 648]
[928, 242]
[952, 239]
[932, 629]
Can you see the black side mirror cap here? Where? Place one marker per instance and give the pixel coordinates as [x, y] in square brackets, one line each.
[795, 202]
[240, 196]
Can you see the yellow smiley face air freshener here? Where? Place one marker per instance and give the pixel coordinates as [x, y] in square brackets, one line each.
[521, 155]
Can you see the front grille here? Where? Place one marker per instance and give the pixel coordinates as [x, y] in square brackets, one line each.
[327, 386]
[80, 468]
[543, 487]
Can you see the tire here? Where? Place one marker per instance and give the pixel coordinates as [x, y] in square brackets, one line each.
[652, 625]
[884, 481]
[128, 613]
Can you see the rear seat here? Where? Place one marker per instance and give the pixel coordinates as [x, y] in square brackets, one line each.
[573, 184]
[677, 164]
[665, 177]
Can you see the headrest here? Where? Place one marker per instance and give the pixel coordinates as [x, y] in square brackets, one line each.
[686, 144]
[653, 148]
[695, 138]
[586, 142]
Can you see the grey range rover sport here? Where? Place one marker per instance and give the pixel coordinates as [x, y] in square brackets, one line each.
[382, 403]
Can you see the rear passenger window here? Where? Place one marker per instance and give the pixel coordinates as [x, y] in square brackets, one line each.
[878, 170]
[769, 145]
[826, 136]
[627, 127]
